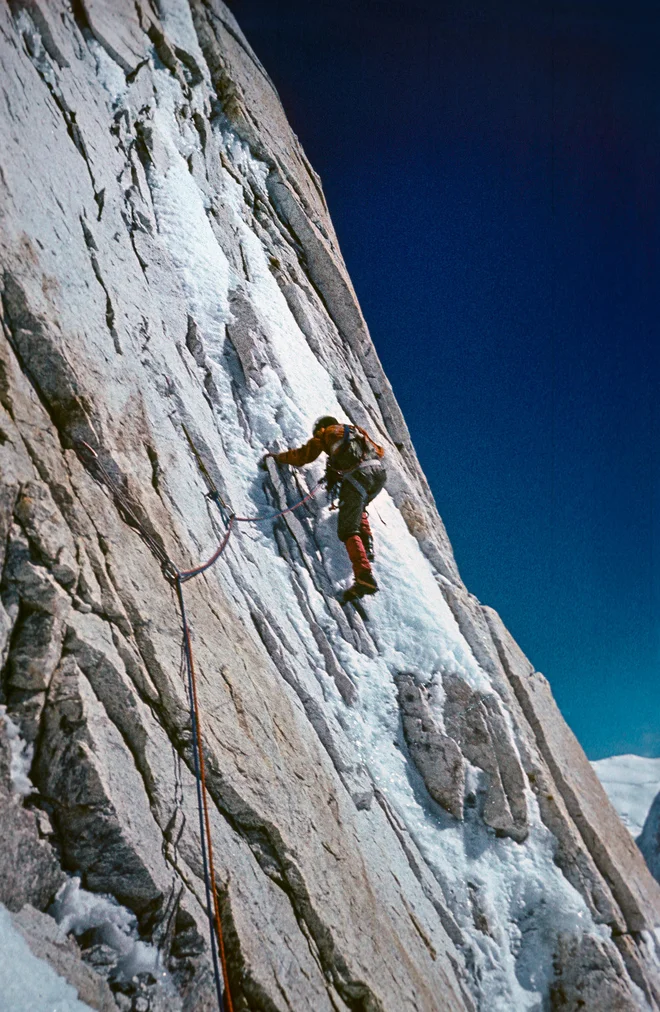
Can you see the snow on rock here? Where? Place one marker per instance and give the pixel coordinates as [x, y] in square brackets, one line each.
[29, 984]
[21, 756]
[401, 818]
[632, 783]
[103, 921]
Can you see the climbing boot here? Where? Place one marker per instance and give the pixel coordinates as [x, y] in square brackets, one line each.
[363, 578]
[365, 585]
[355, 593]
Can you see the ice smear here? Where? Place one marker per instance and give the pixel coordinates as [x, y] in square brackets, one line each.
[28, 984]
[21, 756]
[180, 208]
[78, 911]
[109, 73]
[526, 899]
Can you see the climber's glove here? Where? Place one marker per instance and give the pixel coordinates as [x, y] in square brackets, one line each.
[263, 463]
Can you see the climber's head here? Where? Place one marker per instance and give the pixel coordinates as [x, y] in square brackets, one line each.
[323, 422]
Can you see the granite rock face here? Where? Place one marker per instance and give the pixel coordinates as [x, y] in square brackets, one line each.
[437, 756]
[603, 986]
[401, 817]
[31, 873]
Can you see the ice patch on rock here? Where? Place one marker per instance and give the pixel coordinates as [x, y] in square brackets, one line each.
[180, 208]
[28, 984]
[79, 912]
[21, 756]
[109, 73]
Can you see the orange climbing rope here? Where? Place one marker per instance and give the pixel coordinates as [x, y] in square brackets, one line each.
[203, 806]
[178, 577]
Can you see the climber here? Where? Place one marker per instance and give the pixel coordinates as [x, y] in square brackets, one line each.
[355, 466]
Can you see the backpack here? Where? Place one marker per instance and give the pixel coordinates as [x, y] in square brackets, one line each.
[355, 447]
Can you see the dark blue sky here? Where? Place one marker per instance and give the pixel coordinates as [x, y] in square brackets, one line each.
[492, 171]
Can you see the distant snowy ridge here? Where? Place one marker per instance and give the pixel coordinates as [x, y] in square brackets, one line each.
[631, 783]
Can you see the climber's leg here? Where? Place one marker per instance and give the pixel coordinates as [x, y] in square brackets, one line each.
[364, 580]
[367, 537]
[352, 499]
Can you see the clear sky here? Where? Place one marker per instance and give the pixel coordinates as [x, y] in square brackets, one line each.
[493, 171]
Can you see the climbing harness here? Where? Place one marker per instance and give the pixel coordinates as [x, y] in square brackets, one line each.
[177, 577]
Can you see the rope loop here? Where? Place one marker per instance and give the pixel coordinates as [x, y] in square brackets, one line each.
[170, 572]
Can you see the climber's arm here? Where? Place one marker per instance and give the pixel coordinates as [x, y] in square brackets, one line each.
[302, 455]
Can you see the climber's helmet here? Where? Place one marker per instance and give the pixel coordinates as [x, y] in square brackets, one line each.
[323, 422]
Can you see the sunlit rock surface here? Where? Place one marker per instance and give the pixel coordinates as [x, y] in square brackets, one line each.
[401, 818]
